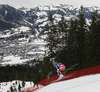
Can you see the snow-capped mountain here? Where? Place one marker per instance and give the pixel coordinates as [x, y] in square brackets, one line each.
[22, 30]
[39, 15]
[10, 17]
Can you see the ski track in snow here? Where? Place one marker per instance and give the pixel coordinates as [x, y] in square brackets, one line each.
[80, 85]
[90, 83]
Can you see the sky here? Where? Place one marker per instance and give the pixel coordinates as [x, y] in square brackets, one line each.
[34, 3]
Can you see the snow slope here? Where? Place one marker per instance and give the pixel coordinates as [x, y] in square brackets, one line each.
[90, 83]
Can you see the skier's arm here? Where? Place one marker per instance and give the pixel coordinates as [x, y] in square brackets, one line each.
[59, 72]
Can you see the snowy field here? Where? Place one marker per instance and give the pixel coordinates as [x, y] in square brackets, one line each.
[90, 83]
[5, 86]
[18, 50]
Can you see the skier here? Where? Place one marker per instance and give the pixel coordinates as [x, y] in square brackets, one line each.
[60, 67]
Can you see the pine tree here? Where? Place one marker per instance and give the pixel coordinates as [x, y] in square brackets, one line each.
[97, 42]
[19, 87]
[23, 83]
[63, 29]
[47, 68]
[91, 37]
[94, 36]
[61, 55]
[72, 42]
[51, 37]
[16, 75]
[81, 38]
[11, 89]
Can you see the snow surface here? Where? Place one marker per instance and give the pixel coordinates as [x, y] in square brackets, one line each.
[23, 49]
[13, 60]
[90, 83]
[5, 86]
[16, 31]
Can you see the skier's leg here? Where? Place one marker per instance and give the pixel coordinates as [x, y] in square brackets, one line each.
[61, 75]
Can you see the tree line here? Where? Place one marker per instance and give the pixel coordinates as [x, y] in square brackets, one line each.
[23, 72]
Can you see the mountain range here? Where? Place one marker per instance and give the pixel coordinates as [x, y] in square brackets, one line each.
[22, 30]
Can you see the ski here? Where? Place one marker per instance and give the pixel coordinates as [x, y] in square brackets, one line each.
[64, 77]
[70, 68]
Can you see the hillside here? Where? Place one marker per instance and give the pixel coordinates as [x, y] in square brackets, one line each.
[22, 40]
[22, 31]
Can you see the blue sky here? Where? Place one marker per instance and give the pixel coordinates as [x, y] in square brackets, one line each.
[34, 3]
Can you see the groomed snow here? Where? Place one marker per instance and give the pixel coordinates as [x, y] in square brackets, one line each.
[90, 83]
